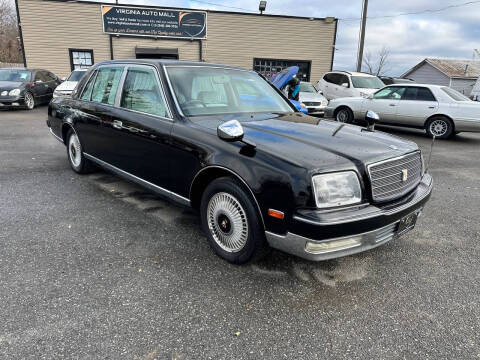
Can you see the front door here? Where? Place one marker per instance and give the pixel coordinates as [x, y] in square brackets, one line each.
[138, 127]
[385, 103]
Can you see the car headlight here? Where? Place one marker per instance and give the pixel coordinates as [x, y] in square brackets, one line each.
[14, 92]
[324, 102]
[336, 189]
[4, 93]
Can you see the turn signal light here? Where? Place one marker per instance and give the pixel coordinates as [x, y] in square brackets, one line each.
[276, 214]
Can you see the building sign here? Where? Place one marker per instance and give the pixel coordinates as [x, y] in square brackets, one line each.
[154, 22]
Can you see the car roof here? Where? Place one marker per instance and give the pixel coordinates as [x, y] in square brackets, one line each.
[169, 62]
[416, 85]
[353, 73]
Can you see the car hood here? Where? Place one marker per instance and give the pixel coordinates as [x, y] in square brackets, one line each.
[314, 143]
[306, 96]
[9, 85]
[284, 76]
[67, 86]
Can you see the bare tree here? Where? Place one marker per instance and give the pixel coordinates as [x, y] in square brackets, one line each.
[9, 44]
[377, 66]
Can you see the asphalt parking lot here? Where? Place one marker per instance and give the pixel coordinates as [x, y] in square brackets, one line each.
[95, 267]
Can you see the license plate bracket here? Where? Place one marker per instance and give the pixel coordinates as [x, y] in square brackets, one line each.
[407, 223]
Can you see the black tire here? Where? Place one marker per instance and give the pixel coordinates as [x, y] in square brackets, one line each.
[75, 155]
[29, 100]
[344, 115]
[440, 127]
[217, 222]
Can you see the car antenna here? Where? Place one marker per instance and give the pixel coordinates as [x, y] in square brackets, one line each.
[430, 156]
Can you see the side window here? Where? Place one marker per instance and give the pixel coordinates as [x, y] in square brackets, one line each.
[142, 93]
[418, 94]
[328, 78]
[344, 80]
[87, 90]
[50, 76]
[335, 78]
[390, 93]
[106, 84]
[39, 76]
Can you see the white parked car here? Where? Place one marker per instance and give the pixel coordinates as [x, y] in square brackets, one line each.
[476, 91]
[68, 85]
[339, 84]
[440, 110]
[314, 101]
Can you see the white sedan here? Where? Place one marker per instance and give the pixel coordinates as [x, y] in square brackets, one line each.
[440, 110]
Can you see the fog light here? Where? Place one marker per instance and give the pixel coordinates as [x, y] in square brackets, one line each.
[334, 245]
[15, 104]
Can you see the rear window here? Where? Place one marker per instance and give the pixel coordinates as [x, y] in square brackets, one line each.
[418, 94]
[454, 94]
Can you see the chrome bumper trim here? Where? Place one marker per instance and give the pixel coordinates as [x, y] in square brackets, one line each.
[55, 136]
[295, 244]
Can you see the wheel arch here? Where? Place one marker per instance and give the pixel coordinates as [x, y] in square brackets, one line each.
[64, 130]
[210, 173]
[439, 115]
[340, 107]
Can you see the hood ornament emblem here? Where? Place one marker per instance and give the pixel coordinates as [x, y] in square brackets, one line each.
[404, 175]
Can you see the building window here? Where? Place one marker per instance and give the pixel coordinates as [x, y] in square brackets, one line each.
[269, 67]
[80, 58]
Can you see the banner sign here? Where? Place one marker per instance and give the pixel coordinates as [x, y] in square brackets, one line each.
[154, 22]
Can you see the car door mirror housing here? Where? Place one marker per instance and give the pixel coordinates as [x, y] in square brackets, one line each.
[371, 118]
[370, 96]
[345, 85]
[230, 131]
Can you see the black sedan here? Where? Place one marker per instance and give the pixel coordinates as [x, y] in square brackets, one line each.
[26, 88]
[229, 144]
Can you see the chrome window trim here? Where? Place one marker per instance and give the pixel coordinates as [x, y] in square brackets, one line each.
[237, 176]
[160, 86]
[174, 95]
[167, 193]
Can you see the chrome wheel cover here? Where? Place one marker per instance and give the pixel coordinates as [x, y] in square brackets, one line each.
[342, 116]
[439, 127]
[227, 222]
[29, 102]
[74, 150]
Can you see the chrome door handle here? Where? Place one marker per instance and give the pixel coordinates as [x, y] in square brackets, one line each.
[431, 107]
[117, 124]
[393, 105]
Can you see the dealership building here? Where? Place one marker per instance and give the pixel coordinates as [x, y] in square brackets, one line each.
[64, 35]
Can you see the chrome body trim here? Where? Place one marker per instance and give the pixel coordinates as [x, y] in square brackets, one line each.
[295, 244]
[238, 177]
[159, 190]
[426, 183]
[55, 136]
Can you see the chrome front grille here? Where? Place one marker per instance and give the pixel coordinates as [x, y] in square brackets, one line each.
[386, 233]
[394, 178]
[310, 103]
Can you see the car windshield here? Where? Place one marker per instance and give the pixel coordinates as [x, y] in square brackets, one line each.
[76, 75]
[454, 94]
[15, 75]
[307, 87]
[202, 90]
[367, 82]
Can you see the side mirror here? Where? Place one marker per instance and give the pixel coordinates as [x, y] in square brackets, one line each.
[370, 96]
[345, 85]
[371, 118]
[320, 92]
[230, 131]
[38, 81]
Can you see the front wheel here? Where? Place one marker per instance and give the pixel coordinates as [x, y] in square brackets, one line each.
[440, 127]
[344, 115]
[29, 101]
[231, 222]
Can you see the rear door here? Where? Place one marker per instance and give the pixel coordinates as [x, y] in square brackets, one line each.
[385, 103]
[416, 105]
[344, 91]
[40, 86]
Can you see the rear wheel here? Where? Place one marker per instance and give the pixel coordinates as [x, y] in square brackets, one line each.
[344, 115]
[77, 160]
[440, 127]
[231, 222]
[29, 101]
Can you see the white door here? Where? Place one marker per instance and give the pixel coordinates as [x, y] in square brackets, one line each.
[385, 103]
[417, 104]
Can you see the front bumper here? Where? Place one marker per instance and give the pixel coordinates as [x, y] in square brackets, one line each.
[11, 102]
[315, 110]
[359, 228]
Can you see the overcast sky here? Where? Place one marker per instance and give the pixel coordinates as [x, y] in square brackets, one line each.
[451, 33]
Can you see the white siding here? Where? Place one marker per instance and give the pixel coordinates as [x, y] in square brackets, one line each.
[464, 86]
[427, 74]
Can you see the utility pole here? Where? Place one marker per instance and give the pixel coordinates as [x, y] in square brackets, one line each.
[362, 35]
